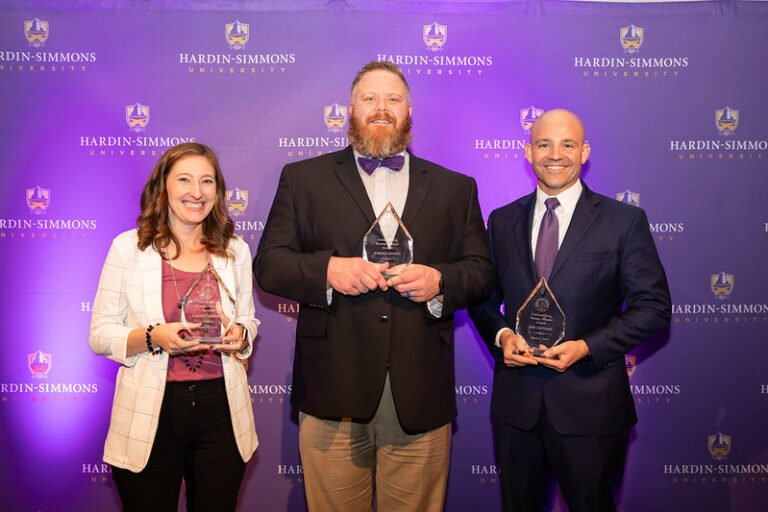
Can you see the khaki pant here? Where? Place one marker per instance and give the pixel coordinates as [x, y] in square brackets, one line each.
[346, 462]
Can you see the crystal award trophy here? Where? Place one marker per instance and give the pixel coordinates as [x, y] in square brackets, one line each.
[199, 307]
[388, 240]
[540, 320]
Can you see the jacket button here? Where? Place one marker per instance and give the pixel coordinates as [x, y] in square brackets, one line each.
[384, 319]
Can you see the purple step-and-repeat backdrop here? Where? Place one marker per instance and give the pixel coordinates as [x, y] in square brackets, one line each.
[673, 98]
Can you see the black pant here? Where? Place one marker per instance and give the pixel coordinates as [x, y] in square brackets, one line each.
[588, 469]
[195, 442]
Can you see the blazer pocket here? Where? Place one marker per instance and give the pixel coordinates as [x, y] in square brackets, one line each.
[311, 323]
[592, 255]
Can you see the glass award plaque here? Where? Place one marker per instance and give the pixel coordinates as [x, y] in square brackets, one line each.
[388, 241]
[540, 320]
[199, 307]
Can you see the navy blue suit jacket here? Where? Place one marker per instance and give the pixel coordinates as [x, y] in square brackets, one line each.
[611, 285]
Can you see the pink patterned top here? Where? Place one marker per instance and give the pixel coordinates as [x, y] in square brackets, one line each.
[200, 365]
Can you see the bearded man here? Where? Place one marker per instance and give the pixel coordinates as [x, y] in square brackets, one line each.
[373, 373]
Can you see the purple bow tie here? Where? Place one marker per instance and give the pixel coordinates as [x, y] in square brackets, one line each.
[391, 162]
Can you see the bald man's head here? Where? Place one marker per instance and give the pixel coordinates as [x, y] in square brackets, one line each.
[557, 150]
[558, 116]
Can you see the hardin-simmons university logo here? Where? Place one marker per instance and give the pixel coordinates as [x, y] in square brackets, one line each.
[528, 116]
[719, 445]
[137, 117]
[435, 36]
[237, 201]
[36, 32]
[631, 38]
[237, 34]
[630, 362]
[38, 199]
[335, 117]
[628, 197]
[726, 120]
[721, 285]
[39, 364]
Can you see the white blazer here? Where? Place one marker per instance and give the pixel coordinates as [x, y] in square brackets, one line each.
[129, 296]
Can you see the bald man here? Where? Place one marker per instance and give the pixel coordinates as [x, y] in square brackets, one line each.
[566, 413]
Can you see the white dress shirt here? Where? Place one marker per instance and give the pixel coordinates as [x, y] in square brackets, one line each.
[568, 199]
[384, 186]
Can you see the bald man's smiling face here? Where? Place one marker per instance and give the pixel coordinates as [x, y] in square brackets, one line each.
[557, 151]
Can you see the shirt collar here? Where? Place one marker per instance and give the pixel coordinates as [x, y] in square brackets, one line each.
[360, 170]
[568, 197]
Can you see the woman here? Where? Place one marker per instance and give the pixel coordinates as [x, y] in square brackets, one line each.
[182, 408]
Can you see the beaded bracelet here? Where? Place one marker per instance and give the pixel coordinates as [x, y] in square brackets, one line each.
[150, 348]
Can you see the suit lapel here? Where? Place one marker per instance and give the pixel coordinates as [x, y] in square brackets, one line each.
[419, 183]
[583, 216]
[523, 229]
[349, 176]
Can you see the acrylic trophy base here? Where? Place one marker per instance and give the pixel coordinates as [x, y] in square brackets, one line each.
[536, 351]
[394, 271]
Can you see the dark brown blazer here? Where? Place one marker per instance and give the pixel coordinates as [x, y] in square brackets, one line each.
[344, 350]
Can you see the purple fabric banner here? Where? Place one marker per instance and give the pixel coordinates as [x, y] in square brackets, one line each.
[673, 100]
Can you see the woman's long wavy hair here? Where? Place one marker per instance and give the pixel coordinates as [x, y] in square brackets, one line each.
[153, 225]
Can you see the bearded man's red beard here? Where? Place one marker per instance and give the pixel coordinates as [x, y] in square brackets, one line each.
[379, 141]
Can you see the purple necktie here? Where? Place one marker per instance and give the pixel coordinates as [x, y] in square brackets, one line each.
[546, 244]
[391, 162]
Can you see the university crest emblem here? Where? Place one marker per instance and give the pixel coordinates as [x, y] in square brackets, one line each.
[630, 362]
[631, 38]
[137, 117]
[39, 364]
[628, 197]
[237, 34]
[36, 32]
[721, 285]
[38, 199]
[237, 201]
[719, 445]
[726, 120]
[435, 36]
[528, 116]
[335, 117]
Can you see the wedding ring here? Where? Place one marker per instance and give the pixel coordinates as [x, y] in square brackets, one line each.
[407, 295]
